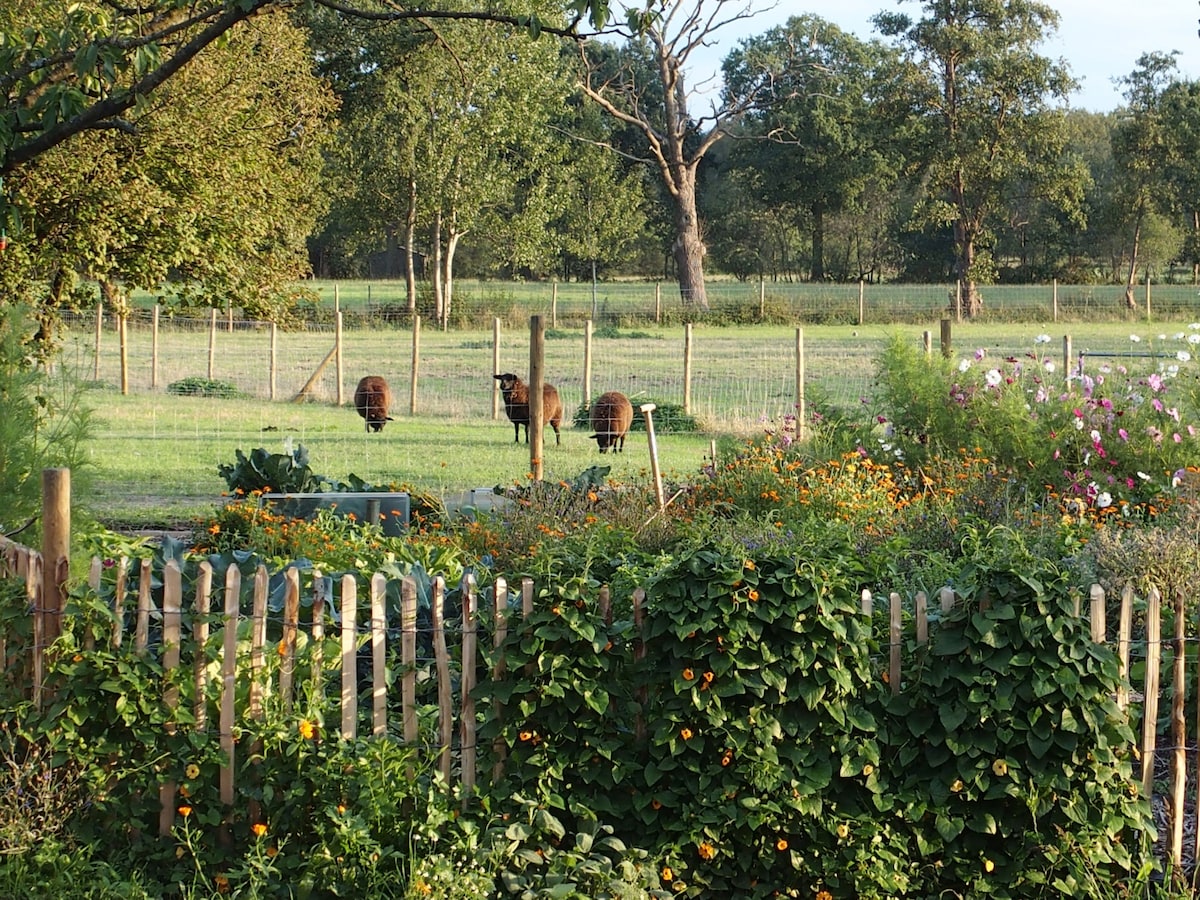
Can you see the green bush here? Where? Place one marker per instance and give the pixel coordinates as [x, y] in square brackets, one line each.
[202, 387]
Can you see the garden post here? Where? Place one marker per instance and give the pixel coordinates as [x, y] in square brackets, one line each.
[154, 348]
[946, 349]
[687, 368]
[337, 364]
[212, 342]
[801, 415]
[99, 335]
[647, 409]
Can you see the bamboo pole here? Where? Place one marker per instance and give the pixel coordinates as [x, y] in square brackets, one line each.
[894, 638]
[141, 636]
[647, 412]
[339, 367]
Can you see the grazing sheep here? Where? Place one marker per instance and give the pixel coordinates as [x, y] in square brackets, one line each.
[372, 398]
[612, 414]
[516, 405]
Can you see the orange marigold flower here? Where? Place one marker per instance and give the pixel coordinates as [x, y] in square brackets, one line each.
[824, 895]
[258, 829]
[216, 529]
[185, 811]
[272, 851]
[222, 883]
[688, 674]
[706, 850]
[307, 729]
[341, 809]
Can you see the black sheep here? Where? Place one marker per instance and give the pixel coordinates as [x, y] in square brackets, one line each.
[612, 415]
[372, 398]
[516, 405]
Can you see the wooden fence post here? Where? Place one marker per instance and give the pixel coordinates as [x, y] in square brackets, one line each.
[408, 658]
[154, 348]
[56, 552]
[229, 643]
[537, 381]
[1150, 689]
[587, 364]
[200, 630]
[647, 412]
[801, 414]
[495, 367]
[212, 342]
[416, 366]
[273, 359]
[99, 336]
[441, 656]
[287, 644]
[687, 367]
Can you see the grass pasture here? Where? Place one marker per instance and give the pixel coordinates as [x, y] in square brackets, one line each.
[155, 454]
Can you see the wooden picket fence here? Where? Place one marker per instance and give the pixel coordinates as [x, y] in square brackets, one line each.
[370, 636]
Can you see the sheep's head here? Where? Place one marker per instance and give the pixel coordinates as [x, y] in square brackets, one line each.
[508, 381]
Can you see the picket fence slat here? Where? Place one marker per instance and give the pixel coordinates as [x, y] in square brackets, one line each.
[1150, 713]
[349, 657]
[445, 703]
[233, 590]
[200, 630]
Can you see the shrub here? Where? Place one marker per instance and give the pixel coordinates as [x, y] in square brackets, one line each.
[202, 387]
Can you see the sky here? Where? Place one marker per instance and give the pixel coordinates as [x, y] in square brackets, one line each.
[1098, 39]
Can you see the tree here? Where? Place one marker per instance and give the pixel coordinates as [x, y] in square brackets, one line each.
[216, 187]
[1181, 112]
[676, 142]
[1144, 154]
[817, 126]
[982, 92]
[92, 62]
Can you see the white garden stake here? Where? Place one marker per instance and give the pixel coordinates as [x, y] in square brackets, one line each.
[647, 409]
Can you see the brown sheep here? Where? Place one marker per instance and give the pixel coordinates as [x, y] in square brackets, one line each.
[516, 405]
[612, 414]
[372, 398]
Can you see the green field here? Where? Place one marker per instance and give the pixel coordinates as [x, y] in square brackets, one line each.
[155, 454]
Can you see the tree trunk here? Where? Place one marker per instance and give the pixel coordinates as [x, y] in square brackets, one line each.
[1131, 277]
[818, 242]
[688, 249]
[435, 248]
[410, 233]
[452, 239]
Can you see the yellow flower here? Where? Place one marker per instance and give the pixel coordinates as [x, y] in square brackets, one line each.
[753, 595]
[824, 895]
[843, 831]
[666, 874]
[781, 845]
[686, 734]
[307, 729]
[988, 865]
[258, 829]
[957, 786]
[341, 809]
[748, 564]
[868, 769]
[706, 850]
[1000, 767]
[185, 811]
[192, 771]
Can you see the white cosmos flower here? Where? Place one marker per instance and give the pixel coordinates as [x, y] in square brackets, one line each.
[1193, 338]
[1143, 476]
[1135, 338]
[964, 364]
[1183, 356]
[1042, 339]
[1103, 499]
[1049, 366]
[994, 377]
